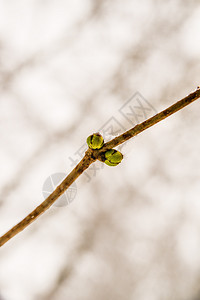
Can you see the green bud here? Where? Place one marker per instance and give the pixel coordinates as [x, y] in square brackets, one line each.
[95, 141]
[113, 157]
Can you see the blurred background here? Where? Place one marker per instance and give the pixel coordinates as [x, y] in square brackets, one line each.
[71, 68]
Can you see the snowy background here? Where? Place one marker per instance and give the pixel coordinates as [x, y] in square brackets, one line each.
[71, 68]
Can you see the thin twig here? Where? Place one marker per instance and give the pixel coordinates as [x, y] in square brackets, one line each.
[75, 173]
[90, 157]
[152, 121]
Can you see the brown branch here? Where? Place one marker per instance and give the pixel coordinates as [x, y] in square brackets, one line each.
[75, 173]
[90, 157]
[151, 121]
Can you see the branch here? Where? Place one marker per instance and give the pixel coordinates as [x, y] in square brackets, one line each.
[151, 121]
[75, 173]
[90, 157]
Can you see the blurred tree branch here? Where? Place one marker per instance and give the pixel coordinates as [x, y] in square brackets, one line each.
[90, 157]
